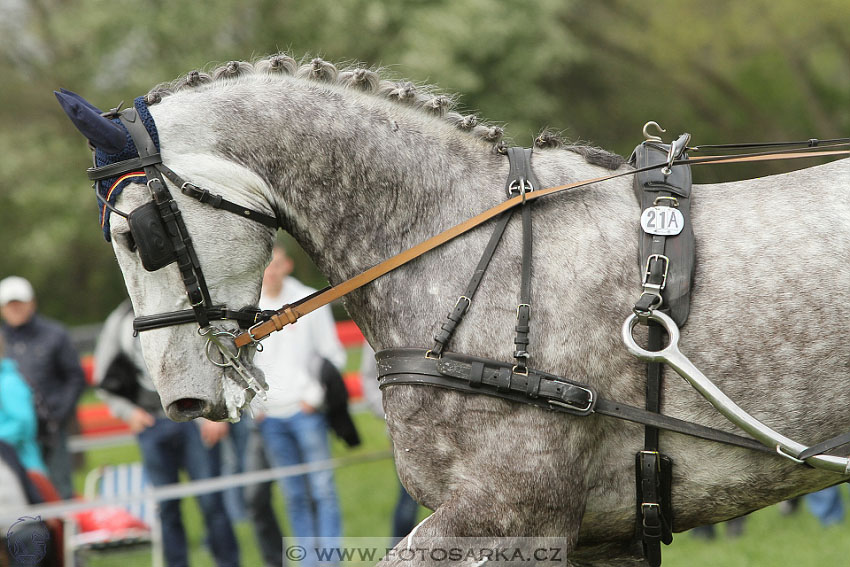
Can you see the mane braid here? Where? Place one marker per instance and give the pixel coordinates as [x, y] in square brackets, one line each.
[355, 77]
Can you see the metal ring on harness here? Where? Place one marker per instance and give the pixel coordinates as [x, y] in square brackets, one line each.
[210, 333]
[249, 383]
[520, 187]
[669, 326]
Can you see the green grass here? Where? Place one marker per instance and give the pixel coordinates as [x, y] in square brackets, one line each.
[368, 492]
[769, 540]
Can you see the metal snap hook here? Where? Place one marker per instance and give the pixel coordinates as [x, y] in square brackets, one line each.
[651, 137]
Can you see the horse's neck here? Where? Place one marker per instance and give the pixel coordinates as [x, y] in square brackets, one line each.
[377, 182]
[358, 179]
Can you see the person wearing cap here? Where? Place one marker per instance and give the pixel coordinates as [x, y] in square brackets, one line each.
[45, 356]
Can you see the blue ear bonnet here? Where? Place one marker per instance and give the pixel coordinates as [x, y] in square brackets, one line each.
[110, 188]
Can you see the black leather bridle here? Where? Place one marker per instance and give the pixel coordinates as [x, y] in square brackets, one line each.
[161, 238]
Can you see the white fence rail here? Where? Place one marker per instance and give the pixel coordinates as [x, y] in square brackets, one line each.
[184, 489]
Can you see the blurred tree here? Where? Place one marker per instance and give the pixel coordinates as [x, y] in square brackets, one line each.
[597, 69]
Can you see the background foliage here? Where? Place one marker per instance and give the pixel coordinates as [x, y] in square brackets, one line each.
[595, 69]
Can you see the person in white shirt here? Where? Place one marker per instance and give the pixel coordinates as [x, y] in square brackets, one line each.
[293, 427]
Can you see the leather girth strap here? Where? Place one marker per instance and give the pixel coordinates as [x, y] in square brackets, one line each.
[667, 264]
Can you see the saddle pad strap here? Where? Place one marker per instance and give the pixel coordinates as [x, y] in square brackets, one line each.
[666, 261]
[666, 264]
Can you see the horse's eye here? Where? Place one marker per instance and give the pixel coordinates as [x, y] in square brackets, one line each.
[126, 240]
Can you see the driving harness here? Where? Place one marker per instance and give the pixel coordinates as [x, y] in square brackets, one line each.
[667, 262]
[662, 184]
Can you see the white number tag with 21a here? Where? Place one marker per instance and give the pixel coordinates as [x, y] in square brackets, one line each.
[664, 221]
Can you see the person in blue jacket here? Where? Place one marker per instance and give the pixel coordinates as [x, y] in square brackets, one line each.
[47, 360]
[18, 422]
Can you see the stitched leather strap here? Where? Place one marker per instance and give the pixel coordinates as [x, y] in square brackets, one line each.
[493, 378]
[455, 316]
[307, 305]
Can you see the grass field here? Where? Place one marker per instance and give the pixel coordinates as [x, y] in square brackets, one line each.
[368, 492]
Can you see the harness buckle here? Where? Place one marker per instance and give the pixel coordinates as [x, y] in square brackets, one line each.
[652, 520]
[586, 410]
[520, 186]
[254, 340]
[461, 298]
[521, 305]
[648, 272]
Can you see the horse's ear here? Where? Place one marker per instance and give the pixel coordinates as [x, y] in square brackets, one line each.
[74, 95]
[102, 132]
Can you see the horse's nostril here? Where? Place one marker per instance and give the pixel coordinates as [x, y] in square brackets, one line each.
[185, 409]
[187, 404]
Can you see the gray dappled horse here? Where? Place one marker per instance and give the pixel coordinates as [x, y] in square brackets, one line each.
[358, 168]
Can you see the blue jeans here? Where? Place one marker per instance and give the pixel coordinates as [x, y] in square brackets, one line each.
[404, 516]
[311, 499]
[57, 458]
[228, 457]
[166, 448]
[826, 505]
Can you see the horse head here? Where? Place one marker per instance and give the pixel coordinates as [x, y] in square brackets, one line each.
[190, 285]
[279, 141]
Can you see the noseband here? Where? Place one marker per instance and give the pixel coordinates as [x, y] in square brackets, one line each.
[161, 238]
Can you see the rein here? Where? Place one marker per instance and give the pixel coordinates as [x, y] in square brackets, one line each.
[290, 313]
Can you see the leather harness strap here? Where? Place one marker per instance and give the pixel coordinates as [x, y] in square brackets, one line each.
[667, 263]
[300, 308]
[475, 375]
[455, 316]
[522, 180]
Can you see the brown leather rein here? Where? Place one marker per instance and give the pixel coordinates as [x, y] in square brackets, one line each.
[290, 313]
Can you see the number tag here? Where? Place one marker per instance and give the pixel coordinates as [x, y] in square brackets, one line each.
[664, 221]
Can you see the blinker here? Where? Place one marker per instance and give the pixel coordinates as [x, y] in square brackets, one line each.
[155, 247]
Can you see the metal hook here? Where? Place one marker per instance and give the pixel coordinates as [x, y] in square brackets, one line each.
[113, 112]
[650, 137]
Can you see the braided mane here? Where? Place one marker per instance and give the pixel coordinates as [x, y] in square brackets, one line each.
[423, 97]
